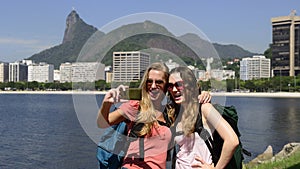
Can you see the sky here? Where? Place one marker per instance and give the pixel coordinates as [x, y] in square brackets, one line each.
[31, 26]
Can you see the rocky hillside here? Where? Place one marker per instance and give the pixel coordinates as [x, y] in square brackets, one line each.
[76, 34]
[230, 51]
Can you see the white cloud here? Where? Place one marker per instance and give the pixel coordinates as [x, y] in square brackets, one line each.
[14, 41]
[12, 49]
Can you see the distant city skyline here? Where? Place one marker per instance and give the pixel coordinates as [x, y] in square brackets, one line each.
[29, 27]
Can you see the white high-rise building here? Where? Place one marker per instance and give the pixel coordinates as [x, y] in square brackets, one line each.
[255, 68]
[56, 76]
[129, 66]
[17, 72]
[87, 71]
[81, 72]
[65, 72]
[41, 72]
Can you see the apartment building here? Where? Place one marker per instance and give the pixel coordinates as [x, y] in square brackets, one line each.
[56, 76]
[87, 71]
[81, 72]
[255, 68]
[286, 45]
[129, 66]
[4, 72]
[65, 70]
[41, 72]
[17, 72]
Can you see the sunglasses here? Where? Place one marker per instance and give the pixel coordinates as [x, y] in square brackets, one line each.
[178, 85]
[157, 82]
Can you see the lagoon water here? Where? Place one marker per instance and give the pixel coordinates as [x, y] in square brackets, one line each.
[43, 131]
[267, 121]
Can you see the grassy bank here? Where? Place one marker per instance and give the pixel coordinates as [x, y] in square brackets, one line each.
[292, 162]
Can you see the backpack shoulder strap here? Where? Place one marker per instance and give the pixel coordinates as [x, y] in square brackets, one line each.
[168, 122]
[141, 148]
[208, 140]
[204, 134]
[133, 135]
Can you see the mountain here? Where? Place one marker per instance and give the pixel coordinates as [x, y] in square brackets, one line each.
[205, 48]
[137, 36]
[232, 51]
[77, 32]
[145, 36]
[189, 47]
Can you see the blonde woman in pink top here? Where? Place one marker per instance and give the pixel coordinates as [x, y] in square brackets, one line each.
[147, 111]
[193, 151]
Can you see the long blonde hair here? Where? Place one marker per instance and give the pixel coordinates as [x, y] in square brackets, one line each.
[188, 111]
[147, 113]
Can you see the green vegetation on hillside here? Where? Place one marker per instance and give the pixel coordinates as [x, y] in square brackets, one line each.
[80, 32]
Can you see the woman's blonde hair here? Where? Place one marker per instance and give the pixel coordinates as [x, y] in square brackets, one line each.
[187, 111]
[147, 113]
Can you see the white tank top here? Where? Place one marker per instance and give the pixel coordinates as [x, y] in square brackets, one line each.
[190, 147]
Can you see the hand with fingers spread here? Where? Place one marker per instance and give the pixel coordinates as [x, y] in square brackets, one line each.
[201, 164]
[104, 120]
[113, 95]
[204, 97]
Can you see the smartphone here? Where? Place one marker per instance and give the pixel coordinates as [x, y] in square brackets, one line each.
[131, 94]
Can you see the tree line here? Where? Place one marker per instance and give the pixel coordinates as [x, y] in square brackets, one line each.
[274, 84]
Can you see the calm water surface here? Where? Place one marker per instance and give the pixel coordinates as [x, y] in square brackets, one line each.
[267, 121]
[43, 131]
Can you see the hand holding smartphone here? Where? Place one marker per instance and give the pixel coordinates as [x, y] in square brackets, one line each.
[131, 94]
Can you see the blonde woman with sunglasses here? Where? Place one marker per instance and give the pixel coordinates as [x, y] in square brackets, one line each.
[193, 152]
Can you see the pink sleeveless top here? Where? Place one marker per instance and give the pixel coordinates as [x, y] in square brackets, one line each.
[155, 146]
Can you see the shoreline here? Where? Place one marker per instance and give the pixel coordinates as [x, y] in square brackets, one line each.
[53, 92]
[259, 94]
[224, 94]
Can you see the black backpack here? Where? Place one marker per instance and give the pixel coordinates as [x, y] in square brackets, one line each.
[215, 142]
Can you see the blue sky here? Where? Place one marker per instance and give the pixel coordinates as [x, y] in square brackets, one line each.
[30, 26]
